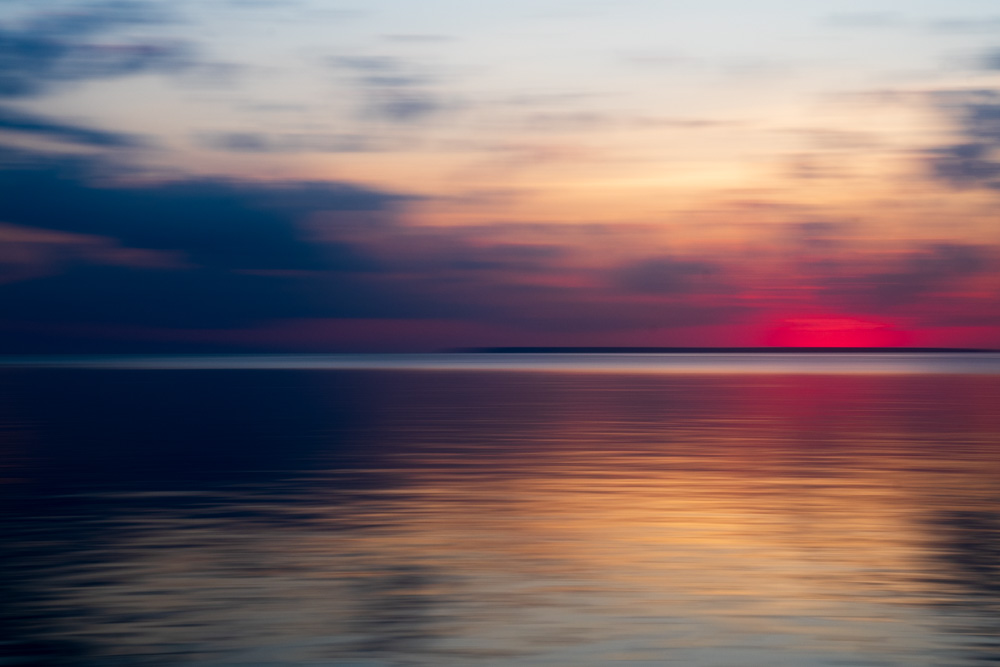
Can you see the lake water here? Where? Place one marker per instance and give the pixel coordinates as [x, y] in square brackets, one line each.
[377, 511]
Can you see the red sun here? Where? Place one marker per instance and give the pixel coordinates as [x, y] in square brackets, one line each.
[834, 332]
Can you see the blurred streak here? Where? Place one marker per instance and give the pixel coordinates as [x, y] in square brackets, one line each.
[52, 48]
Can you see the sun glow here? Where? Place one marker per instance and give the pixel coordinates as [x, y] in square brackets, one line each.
[834, 332]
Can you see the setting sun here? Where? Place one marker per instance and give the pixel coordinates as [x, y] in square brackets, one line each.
[834, 332]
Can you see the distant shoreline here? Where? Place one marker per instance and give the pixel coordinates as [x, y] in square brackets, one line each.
[719, 350]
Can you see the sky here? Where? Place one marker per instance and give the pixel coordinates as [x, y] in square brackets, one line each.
[392, 175]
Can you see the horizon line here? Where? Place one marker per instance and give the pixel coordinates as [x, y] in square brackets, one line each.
[733, 349]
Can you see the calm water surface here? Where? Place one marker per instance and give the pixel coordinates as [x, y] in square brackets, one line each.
[440, 517]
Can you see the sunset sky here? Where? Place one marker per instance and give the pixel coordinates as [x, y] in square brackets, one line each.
[393, 175]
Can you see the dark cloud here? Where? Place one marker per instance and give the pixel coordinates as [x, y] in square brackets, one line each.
[919, 274]
[576, 310]
[219, 224]
[507, 257]
[238, 259]
[980, 118]
[242, 259]
[463, 250]
[973, 161]
[667, 276]
[107, 295]
[37, 125]
[203, 254]
[55, 48]
[210, 298]
[966, 165]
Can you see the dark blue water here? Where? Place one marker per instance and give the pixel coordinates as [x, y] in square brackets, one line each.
[303, 516]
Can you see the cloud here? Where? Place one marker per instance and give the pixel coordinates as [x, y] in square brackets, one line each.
[966, 165]
[42, 126]
[259, 142]
[239, 142]
[667, 276]
[210, 298]
[981, 24]
[51, 49]
[917, 276]
[403, 106]
[979, 117]
[214, 223]
[112, 295]
[462, 250]
[973, 161]
[197, 253]
[505, 257]
[991, 60]
[391, 89]
[27, 253]
[224, 255]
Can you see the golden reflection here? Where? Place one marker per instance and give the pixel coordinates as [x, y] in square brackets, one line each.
[568, 519]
